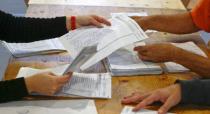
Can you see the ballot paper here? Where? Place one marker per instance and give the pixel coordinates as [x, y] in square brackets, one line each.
[130, 14]
[34, 48]
[126, 31]
[96, 85]
[125, 62]
[49, 107]
[89, 85]
[128, 110]
[76, 40]
[189, 46]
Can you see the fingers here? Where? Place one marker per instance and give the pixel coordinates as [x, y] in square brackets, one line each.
[147, 101]
[63, 79]
[167, 105]
[133, 98]
[96, 23]
[101, 20]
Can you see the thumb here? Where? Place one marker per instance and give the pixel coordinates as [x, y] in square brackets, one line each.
[63, 79]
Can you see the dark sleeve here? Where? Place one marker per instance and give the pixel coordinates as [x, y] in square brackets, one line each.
[195, 91]
[12, 90]
[24, 29]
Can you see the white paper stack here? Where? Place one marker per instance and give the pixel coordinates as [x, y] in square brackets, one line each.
[34, 48]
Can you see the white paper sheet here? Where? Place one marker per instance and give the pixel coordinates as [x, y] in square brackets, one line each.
[76, 40]
[89, 85]
[97, 85]
[128, 110]
[127, 32]
[89, 108]
[189, 46]
[34, 48]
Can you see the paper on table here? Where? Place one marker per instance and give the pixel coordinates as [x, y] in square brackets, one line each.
[83, 106]
[89, 109]
[189, 46]
[133, 62]
[130, 14]
[130, 34]
[96, 85]
[128, 110]
[76, 40]
[37, 47]
[89, 85]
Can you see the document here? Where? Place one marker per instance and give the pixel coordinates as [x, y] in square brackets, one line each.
[50, 107]
[128, 110]
[189, 46]
[89, 85]
[125, 61]
[96, 85]
[76, 40]
[127, 32]
[34, 48]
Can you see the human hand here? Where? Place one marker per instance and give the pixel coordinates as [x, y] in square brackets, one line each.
[142, 21]
[169, 96]
[88, 20]
[163, 52]
[46, 83]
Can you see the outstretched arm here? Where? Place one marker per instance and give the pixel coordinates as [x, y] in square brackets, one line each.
[181, 23]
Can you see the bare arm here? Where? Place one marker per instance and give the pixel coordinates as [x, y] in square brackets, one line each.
[194, 62]
[181, 23]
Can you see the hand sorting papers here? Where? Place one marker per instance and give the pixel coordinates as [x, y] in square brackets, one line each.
[125, 31]
[128, 110]
[97, 85]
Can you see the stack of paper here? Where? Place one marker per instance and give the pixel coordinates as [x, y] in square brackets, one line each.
[126, 62]
[34, 48]
[49, 107]
[128, 110]
[97, 85]
[188, 46]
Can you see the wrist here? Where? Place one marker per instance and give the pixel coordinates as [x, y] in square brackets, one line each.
[143, 23]
[71, 23]
[177, 55]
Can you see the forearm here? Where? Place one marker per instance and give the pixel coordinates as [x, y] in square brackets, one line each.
[176, 23]
[195, 92]
[194, 62]
[12, 90]
[21, 29]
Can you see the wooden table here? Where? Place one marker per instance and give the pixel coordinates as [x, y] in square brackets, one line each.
[121, 86]
[165, 4]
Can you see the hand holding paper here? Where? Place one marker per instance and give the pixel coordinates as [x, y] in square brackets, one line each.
[129, 33]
